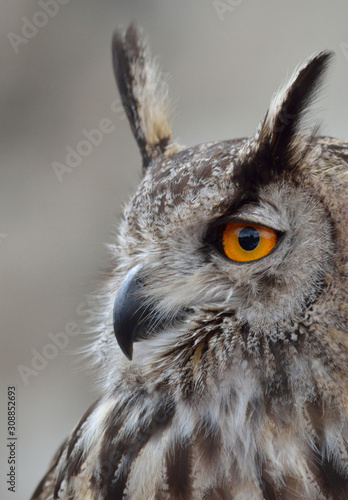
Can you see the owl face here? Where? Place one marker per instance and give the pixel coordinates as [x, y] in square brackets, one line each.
[174, 228]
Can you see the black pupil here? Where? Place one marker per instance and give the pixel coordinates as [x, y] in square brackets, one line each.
[249, 238]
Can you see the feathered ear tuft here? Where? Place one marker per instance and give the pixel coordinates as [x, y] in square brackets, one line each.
[278, 145]
[144, 94]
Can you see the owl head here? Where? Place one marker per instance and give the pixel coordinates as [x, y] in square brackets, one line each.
[228, 250]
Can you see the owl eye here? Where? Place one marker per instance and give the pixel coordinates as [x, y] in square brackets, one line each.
[245, 241]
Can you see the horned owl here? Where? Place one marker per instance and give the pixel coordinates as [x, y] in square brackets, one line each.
[228, 377]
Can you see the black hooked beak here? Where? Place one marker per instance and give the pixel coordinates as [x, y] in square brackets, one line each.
[131, 316]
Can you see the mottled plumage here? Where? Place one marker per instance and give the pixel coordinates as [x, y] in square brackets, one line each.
[228, 379]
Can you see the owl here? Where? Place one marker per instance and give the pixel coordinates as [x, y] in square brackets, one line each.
[221, 345]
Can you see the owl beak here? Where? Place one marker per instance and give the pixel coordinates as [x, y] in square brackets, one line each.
[130, 313]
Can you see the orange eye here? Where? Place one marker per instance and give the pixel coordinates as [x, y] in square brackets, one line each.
[245, 242]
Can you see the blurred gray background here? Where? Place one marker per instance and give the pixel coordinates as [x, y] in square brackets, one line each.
[225, 60]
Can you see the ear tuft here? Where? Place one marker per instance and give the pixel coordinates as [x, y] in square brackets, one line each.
[278, 144]
[144, 94]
